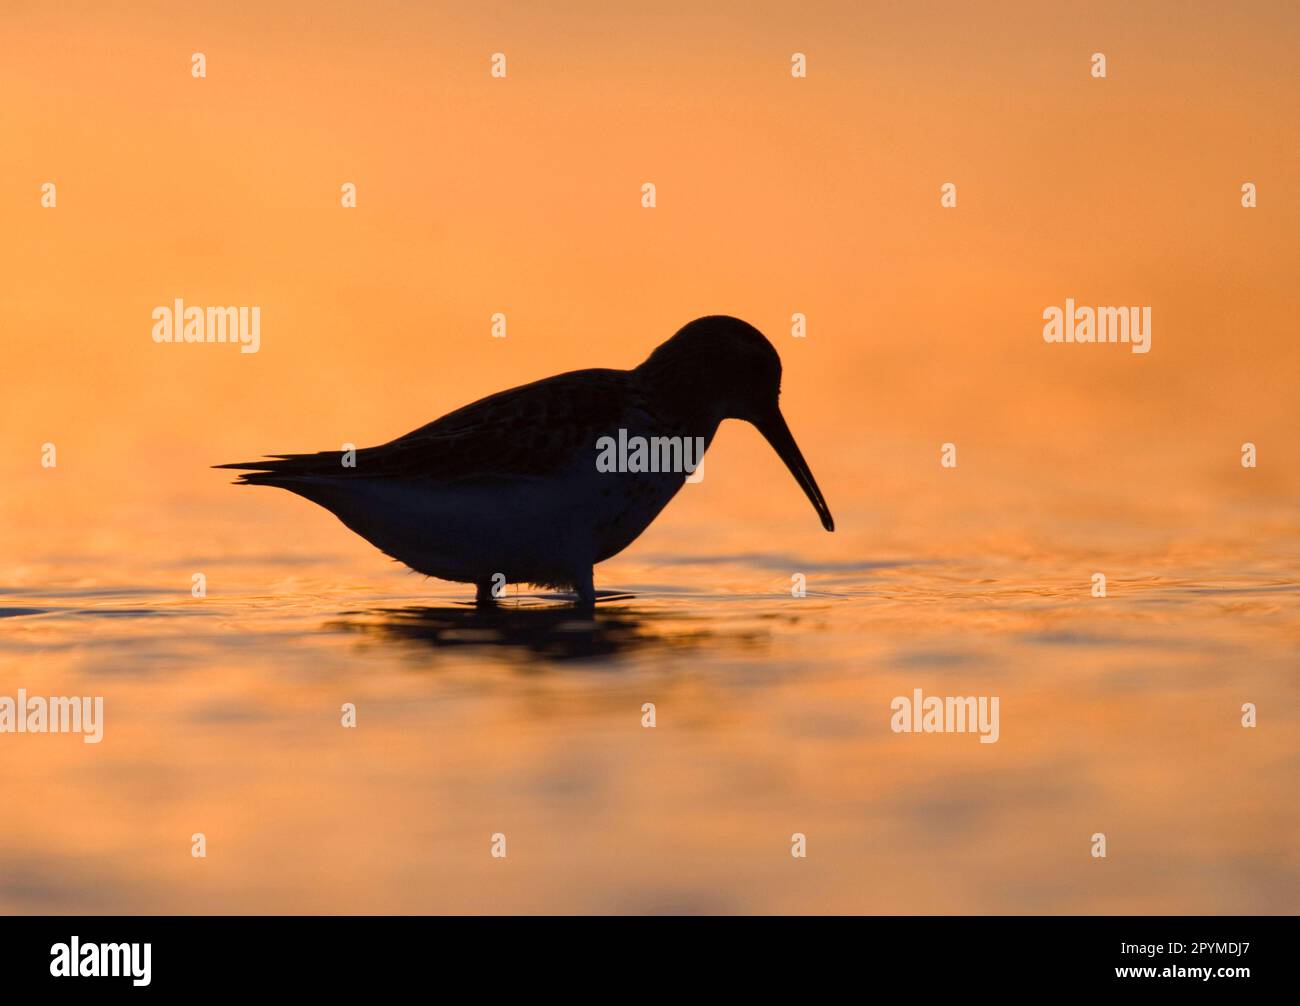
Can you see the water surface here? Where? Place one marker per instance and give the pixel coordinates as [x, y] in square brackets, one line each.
[1118, 715]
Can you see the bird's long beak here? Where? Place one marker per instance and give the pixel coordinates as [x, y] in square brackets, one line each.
[777, 433]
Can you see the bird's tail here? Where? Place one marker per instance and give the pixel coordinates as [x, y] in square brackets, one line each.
[287, 469]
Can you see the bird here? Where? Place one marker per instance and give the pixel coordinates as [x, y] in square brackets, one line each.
[508, 489]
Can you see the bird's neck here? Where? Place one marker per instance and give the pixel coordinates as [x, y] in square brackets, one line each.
[684, 396]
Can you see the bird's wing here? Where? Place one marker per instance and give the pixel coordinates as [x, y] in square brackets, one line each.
[532, 430]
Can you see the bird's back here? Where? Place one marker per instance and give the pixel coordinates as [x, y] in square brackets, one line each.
[533, 430]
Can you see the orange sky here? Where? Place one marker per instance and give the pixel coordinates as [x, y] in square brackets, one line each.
[776, 195]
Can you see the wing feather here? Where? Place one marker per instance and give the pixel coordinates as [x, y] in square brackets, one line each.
[531, 430]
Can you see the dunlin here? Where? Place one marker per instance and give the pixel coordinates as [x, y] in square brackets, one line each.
[517, 487]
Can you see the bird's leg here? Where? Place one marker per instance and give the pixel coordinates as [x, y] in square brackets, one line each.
[585, 585]
[483, 594]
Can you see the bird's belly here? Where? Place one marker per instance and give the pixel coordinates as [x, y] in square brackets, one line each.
[528, 530]
[629, 503]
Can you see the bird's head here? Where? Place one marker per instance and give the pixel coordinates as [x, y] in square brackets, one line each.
[727, 368]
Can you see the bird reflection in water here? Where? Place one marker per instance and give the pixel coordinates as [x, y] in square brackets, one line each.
[533, 628]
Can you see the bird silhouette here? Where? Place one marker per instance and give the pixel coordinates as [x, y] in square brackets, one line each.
[539, 483]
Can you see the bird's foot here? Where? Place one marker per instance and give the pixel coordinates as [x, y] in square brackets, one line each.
[586, 589]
